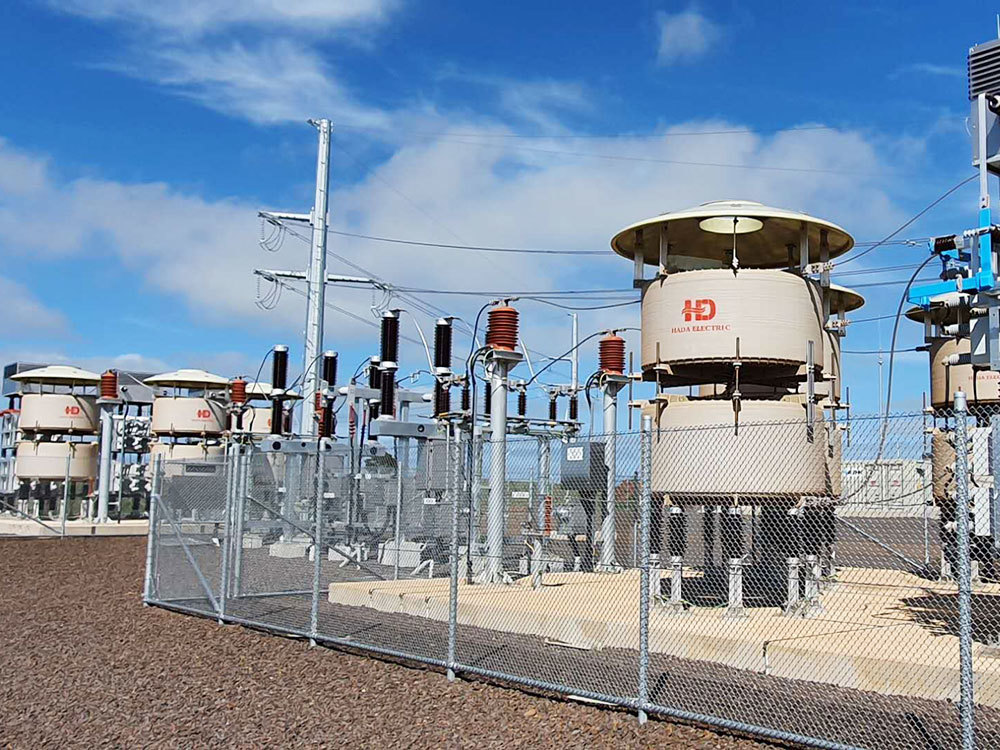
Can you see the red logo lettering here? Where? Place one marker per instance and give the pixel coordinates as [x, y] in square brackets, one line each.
[73, 411]
[699, 309]
[204, 414]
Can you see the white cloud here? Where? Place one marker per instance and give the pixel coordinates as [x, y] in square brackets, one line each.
[269, 82]
[925, 69]
[192, 17]
[685, 36]
[26, 316]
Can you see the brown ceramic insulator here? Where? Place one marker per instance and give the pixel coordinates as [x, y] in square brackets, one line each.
[612, 354]
[574, 408]
[522, 403]
[501, 330]
[238, 391]
[442, 399]
[109, 384]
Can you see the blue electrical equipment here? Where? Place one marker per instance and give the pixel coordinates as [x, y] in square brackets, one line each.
[968, 260]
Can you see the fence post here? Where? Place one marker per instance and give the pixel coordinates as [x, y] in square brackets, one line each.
[645, 471]
[318, 544]
[399, 508]
[966, 704]
[65, 498]
[151, 540]
[232, 461]
[242, 467]
[454, 485]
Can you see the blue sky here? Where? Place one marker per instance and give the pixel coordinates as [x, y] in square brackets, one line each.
[139, 139]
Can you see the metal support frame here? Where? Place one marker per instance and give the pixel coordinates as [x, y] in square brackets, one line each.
[320, 486]
[104, 467]
[967, 700]
[612, 386]
[498, 366]
[454, 491]
[645, 500]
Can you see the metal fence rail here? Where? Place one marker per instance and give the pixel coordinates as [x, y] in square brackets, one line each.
[809, 582]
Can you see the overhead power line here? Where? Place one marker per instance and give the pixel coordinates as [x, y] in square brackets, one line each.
[588, 136]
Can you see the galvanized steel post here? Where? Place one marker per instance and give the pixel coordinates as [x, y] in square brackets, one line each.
[151, 541]
[645, 499]
[242, 467]
[454, 487]
[65, 498]
[966, 703]
[232, 461]
[317, 544]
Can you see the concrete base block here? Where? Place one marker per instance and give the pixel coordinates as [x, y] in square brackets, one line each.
[289, 549]
[253, 541]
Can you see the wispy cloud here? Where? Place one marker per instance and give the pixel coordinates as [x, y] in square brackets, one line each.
[196, 17]
[685, 36]
[25, 315]
[928, 69]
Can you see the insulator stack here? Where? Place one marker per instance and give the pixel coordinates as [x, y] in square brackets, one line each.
[553, 412]
[501, 331]
[279, 379]
[330, 368]
[279, 368]
[375, 383]
[387, 405]
[390, 337]
[287, 422]
[237, 391]
[442, 344]
[574, 408]
[465, 397]
[612, 354]
[442, 399]
[109, 384]
[352, 422]
[318, 401]
[327, 423]
[487, 398]
[522, 402]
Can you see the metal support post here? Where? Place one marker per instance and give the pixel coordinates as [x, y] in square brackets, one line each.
[320, 485]
[792, 597]
[493, 572]
[608, 525]
[966, 703]
[399, 507]
[645, 500]
[232, 460]
[152, 540]
[735, 605]
[104, 468]
[454, 486]
[242, 470]
[64, 510]
[316, 282]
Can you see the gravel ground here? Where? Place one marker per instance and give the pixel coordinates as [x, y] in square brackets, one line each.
[84, 663]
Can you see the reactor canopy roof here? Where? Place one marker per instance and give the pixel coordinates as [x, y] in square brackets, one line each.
[58, 375]
[703, 236]
[842, 297]
[946, 309]
[188, 379]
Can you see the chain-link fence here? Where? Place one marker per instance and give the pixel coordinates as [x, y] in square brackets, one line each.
[810, 582]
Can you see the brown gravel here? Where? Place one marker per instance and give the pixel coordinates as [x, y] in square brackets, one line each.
[82, 662]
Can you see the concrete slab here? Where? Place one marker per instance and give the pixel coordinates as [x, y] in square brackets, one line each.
[22, 527]
[288, 549]
[886, 631]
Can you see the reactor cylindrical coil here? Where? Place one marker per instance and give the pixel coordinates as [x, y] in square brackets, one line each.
[442, 345]
[390, 337]
[612, 354]
[109, 384]
[501, 330]
[237, 391]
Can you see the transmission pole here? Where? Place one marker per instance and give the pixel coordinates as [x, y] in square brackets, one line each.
[316, 281]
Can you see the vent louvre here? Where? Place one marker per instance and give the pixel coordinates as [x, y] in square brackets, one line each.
[984, 69]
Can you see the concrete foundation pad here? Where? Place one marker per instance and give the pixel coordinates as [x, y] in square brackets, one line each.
[25, 528]
[289, 549]
[886, 631]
